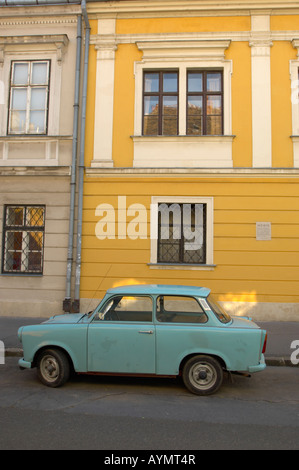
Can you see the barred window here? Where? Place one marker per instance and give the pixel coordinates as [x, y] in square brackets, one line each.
[182, 233]
[23, 239]
[29, 90]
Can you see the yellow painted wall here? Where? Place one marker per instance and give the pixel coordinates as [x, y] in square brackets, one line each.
[182, 25]
[240, 54]
[246, 269]
[124, 98]
[284, 22]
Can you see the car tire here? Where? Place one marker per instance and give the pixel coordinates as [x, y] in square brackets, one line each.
[202, 375]
[53, 368]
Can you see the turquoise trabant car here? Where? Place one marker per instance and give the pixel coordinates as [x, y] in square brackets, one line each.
[160, 330]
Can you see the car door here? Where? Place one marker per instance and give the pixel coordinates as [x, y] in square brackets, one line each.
[121, 337]
[181, 329]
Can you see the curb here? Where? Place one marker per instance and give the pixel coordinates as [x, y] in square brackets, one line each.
[13, 352]
[270, 361]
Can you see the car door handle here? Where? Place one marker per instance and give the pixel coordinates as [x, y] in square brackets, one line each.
[146, 332]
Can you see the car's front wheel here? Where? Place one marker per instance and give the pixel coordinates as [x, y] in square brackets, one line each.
[53, 367]
[202, 375]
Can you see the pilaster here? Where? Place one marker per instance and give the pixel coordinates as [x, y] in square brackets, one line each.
[260, 43]
[105, 45]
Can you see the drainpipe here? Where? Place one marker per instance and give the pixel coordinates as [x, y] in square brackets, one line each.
[67, 300]
[76, 303]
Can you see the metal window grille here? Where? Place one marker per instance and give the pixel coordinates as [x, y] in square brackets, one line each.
[23, 239]
[182, 233]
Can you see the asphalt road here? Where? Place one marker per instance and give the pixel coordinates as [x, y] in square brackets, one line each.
[114, 414]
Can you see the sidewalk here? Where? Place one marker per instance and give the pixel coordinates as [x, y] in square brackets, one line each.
[278, 352]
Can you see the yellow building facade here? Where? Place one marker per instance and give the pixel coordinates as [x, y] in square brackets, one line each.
[192, 151]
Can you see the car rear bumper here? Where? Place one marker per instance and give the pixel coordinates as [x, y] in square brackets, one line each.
[259, 367]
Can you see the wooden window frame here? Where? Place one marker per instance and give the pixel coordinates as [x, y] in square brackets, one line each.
[204, 94]
[160, 94]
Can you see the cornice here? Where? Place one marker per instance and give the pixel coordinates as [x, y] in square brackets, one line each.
[57, 41]
[35, 171]
[102, 40]
[192, 173]
[173, 8]
[56, 13]
[37, 21]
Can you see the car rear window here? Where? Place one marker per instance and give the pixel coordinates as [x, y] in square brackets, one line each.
[218, 310]
[179, 309]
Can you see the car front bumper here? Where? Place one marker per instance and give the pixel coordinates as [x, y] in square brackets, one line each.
[24, 364]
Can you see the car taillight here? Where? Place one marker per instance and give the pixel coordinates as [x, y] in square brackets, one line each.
[265, 344]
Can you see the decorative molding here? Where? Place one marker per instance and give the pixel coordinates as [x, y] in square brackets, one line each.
[188, 8]
[35, 171]
[186, 49]
[260, 43]
[295, 44]
[44, 42]
[183, 172]
[39, 21]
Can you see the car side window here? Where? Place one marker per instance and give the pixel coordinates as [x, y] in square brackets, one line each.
[177, 309]
[126, 309]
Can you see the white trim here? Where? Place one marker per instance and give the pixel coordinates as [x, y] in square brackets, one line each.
[261, 91]
[103, 121]
[127, 172]
[182, 151]
[28, 48]
[209, 201]
[294, 77]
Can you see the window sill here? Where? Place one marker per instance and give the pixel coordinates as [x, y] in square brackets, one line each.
[183, 266]
[183, 151]
[22, 274]
[184, 137]
[35, 150]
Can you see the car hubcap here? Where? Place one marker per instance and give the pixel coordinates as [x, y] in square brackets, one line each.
[49, 368]
[203, 376]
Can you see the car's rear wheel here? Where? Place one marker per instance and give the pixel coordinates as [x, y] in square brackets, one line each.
[202, 375]
[53, 367]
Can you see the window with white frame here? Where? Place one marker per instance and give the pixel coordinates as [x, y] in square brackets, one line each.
[203, 101]
[183, 112]
[28, 101]
[182, 231]
[23, 239]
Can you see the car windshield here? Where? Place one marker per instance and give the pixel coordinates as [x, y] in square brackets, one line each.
[218, 310]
